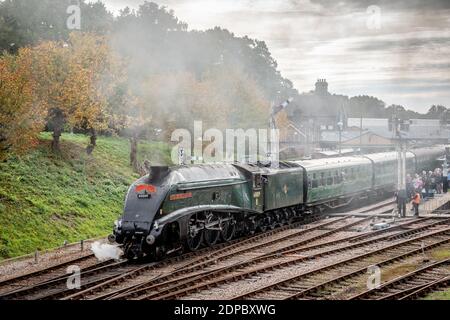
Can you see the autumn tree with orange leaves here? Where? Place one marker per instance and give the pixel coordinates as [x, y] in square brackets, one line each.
[74, 81]
[21, 118]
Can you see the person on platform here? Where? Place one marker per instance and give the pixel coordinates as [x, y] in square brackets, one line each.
[409, 186]
[416, 203]
[444, 178]
[402, 198]
[438, 180]
[448, 179]
[417, 183]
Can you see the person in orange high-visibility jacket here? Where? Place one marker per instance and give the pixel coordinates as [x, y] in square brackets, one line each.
[416, 203]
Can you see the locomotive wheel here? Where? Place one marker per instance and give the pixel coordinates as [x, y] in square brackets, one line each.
[194, 233]
[252, 226]
[285, 217]
[271, 221]
[263, 223]
[212, 229]
[128, 253]
[276, 220]
[228, 226]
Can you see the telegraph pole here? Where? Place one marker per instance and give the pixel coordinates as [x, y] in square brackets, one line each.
[401, 147]
[401, 153]
[360, 132]
[340, 125]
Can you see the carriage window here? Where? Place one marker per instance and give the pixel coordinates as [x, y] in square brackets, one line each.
[329, 179]
[339, 176]
[314, 182]
[322, 178]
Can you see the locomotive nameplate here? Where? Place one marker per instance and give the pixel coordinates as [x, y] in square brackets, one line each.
[181, 196]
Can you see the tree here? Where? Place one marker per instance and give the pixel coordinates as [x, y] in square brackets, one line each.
[74, 81]
[398, 110]
[370, 107]
[21, 119]
[436, 112]
[25, 22]
[127, 114]
[96, 72]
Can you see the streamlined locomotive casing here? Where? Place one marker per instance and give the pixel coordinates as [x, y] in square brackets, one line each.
[154, 203]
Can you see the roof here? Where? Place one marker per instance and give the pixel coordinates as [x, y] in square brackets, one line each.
[431, 152]
[419, 129]
[203, 172]
[330, 153]
[330, 163]
[333, 136]
[387, 156]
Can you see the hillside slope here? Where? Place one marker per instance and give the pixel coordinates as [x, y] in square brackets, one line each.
[47, 198]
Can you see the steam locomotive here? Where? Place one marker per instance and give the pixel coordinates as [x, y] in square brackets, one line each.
[187, 207]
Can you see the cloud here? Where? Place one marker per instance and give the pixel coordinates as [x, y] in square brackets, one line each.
[388, 4]
[313, 39]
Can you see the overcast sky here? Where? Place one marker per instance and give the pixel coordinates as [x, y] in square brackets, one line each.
[398, 51]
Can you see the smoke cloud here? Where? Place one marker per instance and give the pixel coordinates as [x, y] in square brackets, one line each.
[104, 251]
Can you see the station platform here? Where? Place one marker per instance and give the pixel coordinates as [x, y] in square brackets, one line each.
[435, 205]
[438, 206]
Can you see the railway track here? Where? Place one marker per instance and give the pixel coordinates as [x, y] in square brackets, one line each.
[100, 275]
[434, 286]
[110, 280]
[315, 284]
[260, 266]
[411, 283]
[275, 260]
[213, 258]
[47, 274]
[238, 250]
[381, 207]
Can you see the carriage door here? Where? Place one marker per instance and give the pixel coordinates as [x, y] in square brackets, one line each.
[258, 200]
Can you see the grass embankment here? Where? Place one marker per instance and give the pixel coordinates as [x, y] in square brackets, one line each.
[47, 198]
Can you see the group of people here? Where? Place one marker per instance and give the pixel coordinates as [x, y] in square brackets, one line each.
[422, 186]
[427, 184]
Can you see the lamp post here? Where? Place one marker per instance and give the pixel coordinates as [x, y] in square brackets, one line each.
[401, 162]
[340, 126]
